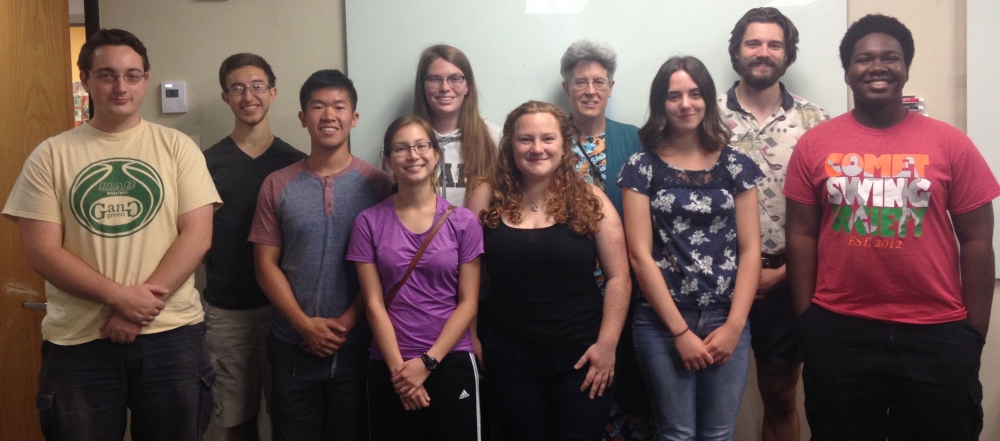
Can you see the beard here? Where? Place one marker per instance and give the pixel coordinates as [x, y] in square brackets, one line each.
[757, 81]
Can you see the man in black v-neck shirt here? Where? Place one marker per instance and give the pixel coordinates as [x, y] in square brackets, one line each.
[238, 312]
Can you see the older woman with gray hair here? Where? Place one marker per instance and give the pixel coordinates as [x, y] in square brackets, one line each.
[602, 146]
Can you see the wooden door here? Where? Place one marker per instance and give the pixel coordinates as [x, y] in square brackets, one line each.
[36, 102]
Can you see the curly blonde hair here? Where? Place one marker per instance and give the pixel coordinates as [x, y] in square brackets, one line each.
[568, 199]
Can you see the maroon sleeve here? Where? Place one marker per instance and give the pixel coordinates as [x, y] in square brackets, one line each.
[377, 178]
[266, 230]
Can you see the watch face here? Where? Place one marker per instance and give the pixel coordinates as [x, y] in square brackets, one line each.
[429, 361]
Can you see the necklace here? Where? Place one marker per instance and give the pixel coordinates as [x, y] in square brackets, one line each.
[534, 206]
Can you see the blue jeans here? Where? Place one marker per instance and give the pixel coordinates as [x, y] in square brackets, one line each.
[165, 379]
[690, 405]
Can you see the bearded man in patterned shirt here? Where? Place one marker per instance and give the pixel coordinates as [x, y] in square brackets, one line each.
[767, 121]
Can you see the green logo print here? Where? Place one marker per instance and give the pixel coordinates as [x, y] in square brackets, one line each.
[116, 197]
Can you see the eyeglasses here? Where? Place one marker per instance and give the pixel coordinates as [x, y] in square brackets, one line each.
[255, 88]
[453, 80]
[599, 83]
[130, 77]
[420, 148]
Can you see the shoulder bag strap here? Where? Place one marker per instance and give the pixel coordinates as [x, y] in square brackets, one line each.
[593, 168]
[420, 252]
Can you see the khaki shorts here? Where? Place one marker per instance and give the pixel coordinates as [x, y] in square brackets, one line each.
[237, 342]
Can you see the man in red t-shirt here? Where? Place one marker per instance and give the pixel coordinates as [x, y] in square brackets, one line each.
[893, 311]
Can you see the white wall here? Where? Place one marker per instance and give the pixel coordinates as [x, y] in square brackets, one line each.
[983, 111]
[983, 67]
[187, 40]
[515, 53]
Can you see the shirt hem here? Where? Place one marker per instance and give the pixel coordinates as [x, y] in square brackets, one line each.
[951, 316]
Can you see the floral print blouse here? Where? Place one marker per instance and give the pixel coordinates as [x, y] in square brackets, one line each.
[694, 222]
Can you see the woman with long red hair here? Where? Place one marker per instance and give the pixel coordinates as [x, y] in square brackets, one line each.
[550, 346]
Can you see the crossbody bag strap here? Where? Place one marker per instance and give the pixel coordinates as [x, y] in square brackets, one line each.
[592, 169]
[420, 252]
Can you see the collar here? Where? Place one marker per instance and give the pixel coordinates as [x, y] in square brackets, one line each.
[787, 102]
[580, 137]
[448, 137]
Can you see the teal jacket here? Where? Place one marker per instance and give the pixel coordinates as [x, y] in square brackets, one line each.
[620, 141]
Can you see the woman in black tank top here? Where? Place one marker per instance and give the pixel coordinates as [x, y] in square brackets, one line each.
[550, 346]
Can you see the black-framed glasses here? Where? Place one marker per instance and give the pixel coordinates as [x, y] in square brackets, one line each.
[255, 88]
[420, 148]
[599, 83]
[130, 77]
[453, 80]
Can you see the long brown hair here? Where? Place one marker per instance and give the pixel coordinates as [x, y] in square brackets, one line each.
[396, 126]
[478, 148]
[713, 133]
[568, 199]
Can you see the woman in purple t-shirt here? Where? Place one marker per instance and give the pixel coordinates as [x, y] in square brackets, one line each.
[422, 379]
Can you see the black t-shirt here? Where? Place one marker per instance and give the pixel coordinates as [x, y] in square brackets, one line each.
[543, 287]
[232, 282]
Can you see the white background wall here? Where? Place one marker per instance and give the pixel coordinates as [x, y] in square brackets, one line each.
[983, 114]
[984, 71]
[188, 39]
[515, 53]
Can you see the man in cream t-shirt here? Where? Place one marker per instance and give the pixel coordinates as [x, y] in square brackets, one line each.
[116, 215]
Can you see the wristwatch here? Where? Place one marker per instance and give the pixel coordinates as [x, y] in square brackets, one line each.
[429, 361]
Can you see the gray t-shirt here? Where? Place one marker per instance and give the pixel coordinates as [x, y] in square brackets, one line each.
[310, 217]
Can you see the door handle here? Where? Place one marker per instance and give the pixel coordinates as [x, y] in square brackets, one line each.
[34, 305]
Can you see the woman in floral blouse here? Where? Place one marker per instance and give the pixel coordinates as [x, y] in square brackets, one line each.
[691, 225]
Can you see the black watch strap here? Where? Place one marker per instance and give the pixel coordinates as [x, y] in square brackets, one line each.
[429, 361]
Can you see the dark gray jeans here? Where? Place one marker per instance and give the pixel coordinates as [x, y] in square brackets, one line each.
[870, 380]
[318, 398]
[165, 379]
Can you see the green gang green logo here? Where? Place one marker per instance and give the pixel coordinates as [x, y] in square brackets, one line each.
[116, 197]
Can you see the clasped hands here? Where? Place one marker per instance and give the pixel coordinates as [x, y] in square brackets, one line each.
[717, 348]
[134, 307]
[321, 336]
[408, 381]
